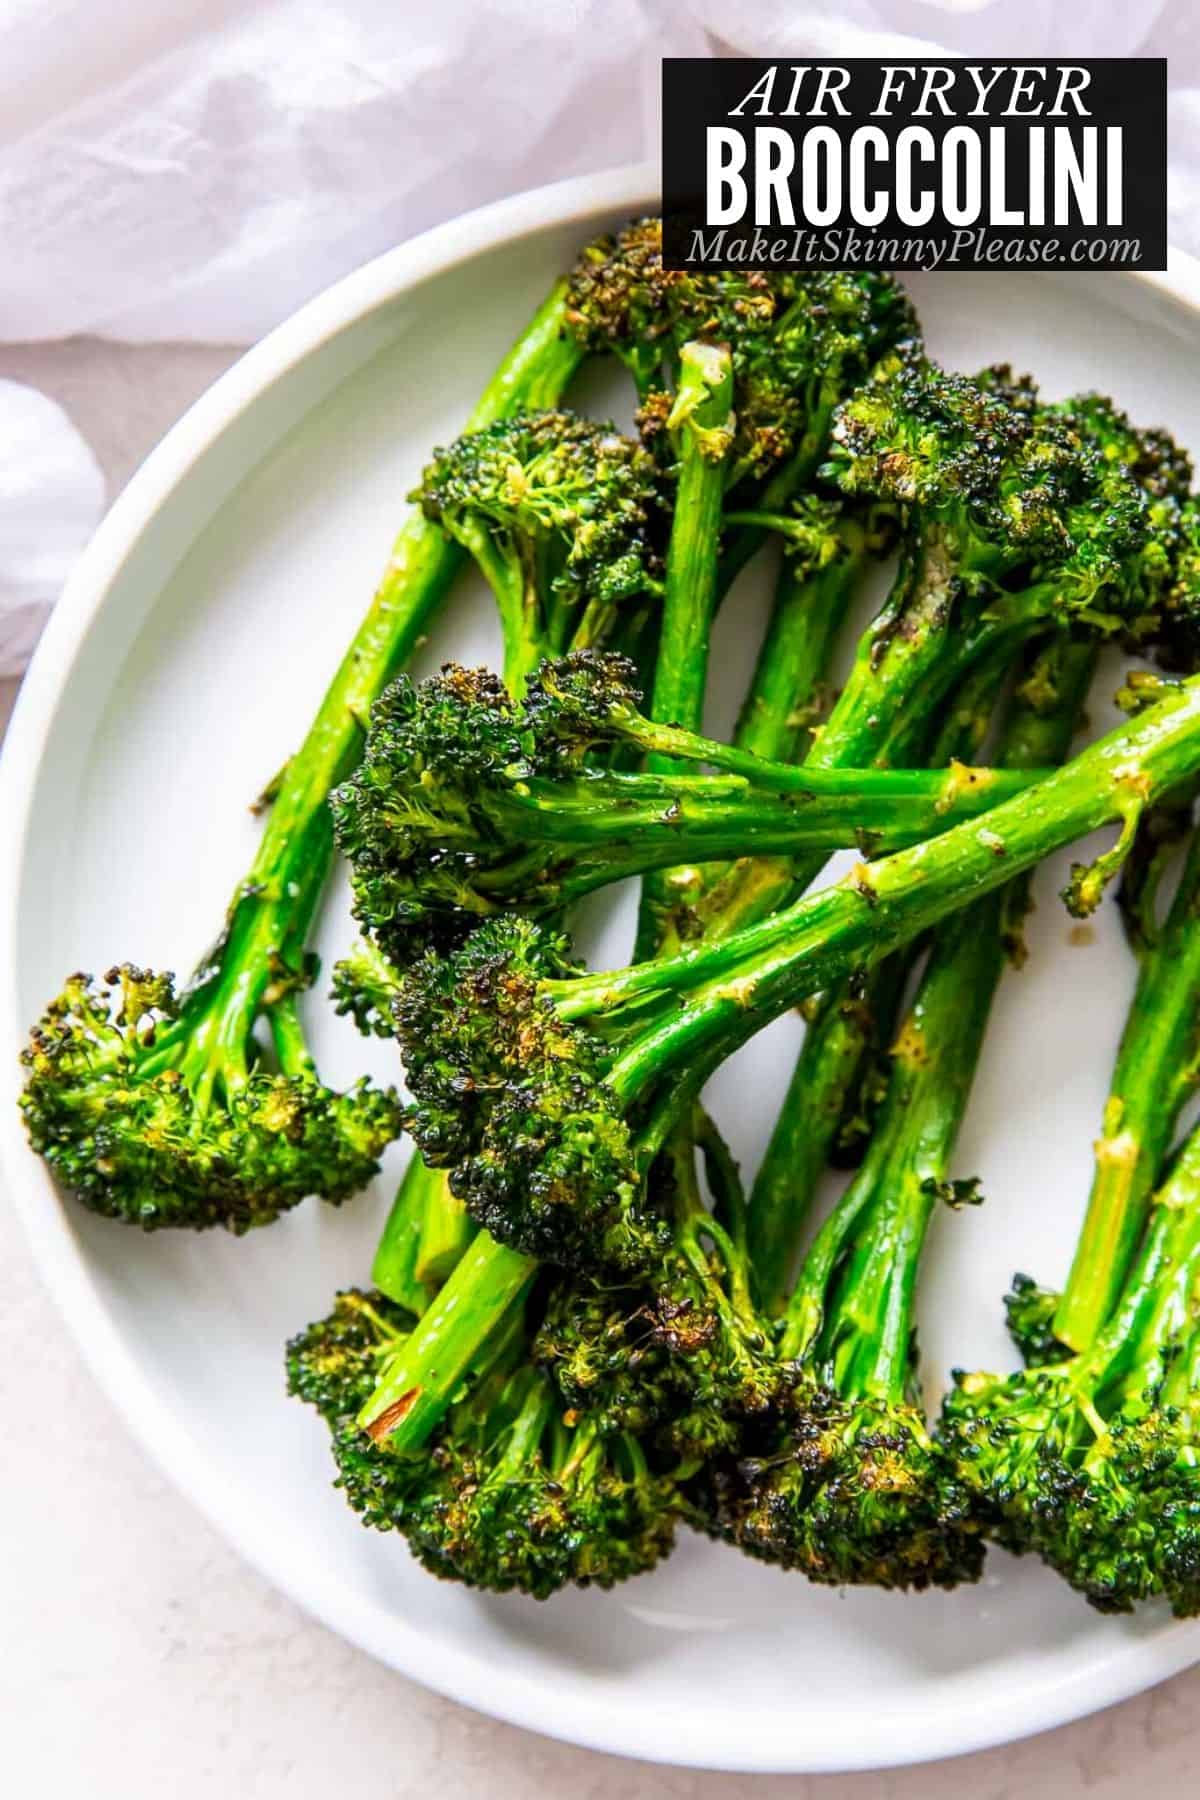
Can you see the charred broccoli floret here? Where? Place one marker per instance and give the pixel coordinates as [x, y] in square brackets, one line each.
[333, 1365]
[559, 513]
[508, 1495]
[516, 1104]
[1019, 517]
[800, 342]
[852, 1494]
[1091, 1463]
[683, 1358]
[159, 1109]
[525, 1500]
[1177, 638]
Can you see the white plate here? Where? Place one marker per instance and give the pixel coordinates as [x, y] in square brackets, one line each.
[182, 663]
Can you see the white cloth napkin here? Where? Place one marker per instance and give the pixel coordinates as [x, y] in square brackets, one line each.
[51, 498]
[196, 171]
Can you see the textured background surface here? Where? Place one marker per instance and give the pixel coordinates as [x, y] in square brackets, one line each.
[138, 1654]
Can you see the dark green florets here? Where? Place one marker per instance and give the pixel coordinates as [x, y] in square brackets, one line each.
[365, 988]
[1029, 1314]
[850, 1492]
[602, 1349]
[562, 498]
[1121, 507]
[507, 1496]
[439, 822]
[621, 301]
[1177, 639]
[1112, 1504]
[1067, 498]
[800, 341]
[672, 1360]
[144, 1128]
[523, 1501]
[333, 1366]
[585, 701]
[434, 751]
[918, 435]
[1159, 465]
[513, 1100]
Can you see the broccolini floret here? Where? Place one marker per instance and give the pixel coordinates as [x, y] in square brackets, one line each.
[508, 1495]
[800, 342]
[467, 804]
[1091, 1462]
[559, 514]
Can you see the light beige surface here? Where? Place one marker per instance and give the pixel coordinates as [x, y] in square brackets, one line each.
[139, 1656]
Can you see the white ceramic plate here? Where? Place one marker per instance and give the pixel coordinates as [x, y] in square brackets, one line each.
[182, 663]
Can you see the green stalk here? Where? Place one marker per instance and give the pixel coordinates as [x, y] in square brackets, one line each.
[894, 658]
[738, 984]
[598, 805]
[868, 1332]
[610, 827]
[394, 1270]
[421, 1378]
[893, 664]
[831, 1056]
[1155, 1073]
[844, 1027]
[1156, 1310]
[785, 702]
[868, 1338]
[702, 421]
[447, 1229]
[807, 616]
[534, 374]
[273, 907]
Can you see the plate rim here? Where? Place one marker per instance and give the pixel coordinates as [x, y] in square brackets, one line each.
[893, 1738]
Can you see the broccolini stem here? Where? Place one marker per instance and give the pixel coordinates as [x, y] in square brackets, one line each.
[701, 418]
[417, 1384]
[868, 1335]
[724, 1178]
[620, 825]
[877, 703]
[394, 1270]
[807, 616]
[447, 1228]
[797, 1153]
[287, 1034]
[1156, 1071]
[518, 607]
[838, 1035]
[781, 707]
[1156, 1306]
[738, 984]
[524, 1437]
[273, 908]
[905, 644]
